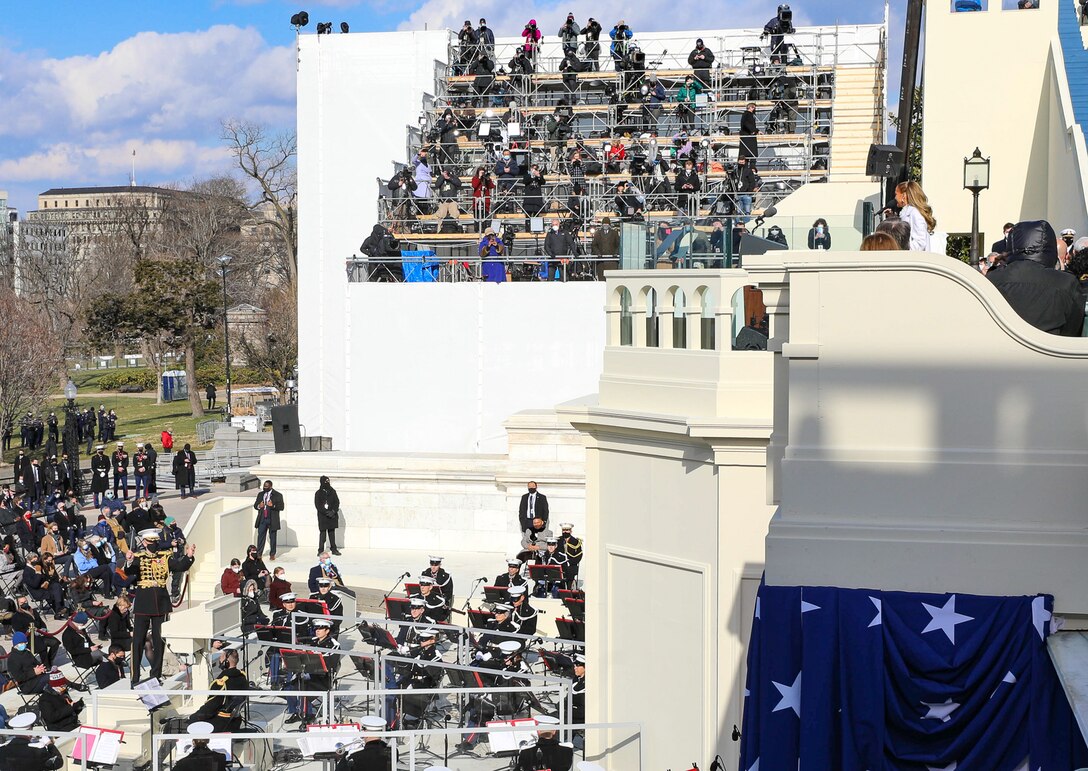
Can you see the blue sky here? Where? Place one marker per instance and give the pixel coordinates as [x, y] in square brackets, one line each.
[83, 84]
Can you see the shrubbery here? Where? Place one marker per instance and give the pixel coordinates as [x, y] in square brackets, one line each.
[143, 379]
[216, 373]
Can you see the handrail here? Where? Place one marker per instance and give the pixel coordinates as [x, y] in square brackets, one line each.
[971, 280]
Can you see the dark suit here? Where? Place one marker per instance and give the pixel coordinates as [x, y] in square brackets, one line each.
[269, 504]
[539, 509]
[749, 128]
[374, 756]
[108, 673]
[202, 759]
[552, 756]
[18, 755]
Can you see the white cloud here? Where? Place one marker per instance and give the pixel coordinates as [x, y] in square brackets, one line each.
[76, 120]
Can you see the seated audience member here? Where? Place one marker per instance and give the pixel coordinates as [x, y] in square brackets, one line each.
[1046, 298]
[111, 670]
[77, 643]
[254, 569]
[280, 585]
[231, 580]
[59, 712]
[28, 672]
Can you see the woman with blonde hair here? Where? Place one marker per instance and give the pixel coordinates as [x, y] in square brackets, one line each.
[917, 213]
[880, 242]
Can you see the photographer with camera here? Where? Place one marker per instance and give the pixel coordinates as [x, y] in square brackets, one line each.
[592, 31]
[534, 191]
[747, 183]
[482, 185]
[485, 38]
[467, 48]
[777, 28]
[629, 202]
[621, 36]
[401, 185]
[701, 59]
[570, 67]
[685, 103]
[492, 251]
[568, 35]
[531, 46]
[653, 97]
[447, 189]
[422, 176]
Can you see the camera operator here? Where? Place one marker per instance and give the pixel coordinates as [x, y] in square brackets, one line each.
[559, 125]
[447, 190]
[701, 59]
[486, 39]
[568, 35]
[483, 72]
[592, 31]
[531, 46]
[621, 35]
[422, 176]
[570, 67]
[777, 28]
[521, 67]
[482, 185]
[401, 185]
[685, 103]
[653, 97]
[467, 48]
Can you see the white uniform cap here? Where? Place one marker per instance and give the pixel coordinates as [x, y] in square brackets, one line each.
[323, 622]
[200, 728]
[566, 526]
[288, 596]
[419, 602]
[372, 723]
[516, 591]
[151, 534]
[509, 647]
[23, 720]
[323, 581]
[433, 558]
[427, 634]
[426, 580]
[546, 720]
[501, 607]
[514, 563]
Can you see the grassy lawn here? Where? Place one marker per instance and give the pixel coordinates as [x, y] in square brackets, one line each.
[138, 420]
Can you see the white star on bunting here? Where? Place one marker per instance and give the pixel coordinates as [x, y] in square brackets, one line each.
[879, 620]
[945, 619]
[1009, 678]
[791, 696]
[808, 606]
[942, 712]
[1040, 616]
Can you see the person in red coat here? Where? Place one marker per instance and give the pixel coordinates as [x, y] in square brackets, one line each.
[231, 581]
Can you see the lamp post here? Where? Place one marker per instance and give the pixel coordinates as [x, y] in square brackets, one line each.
[976, 178]
[223, 262]
[71, 438]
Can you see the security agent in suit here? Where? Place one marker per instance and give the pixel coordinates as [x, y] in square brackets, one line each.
[201, 757]
[512, 576]
[523, 616]
[443, 582]
[533, 504]
[22, 752]
[151, 570]
[548, 752]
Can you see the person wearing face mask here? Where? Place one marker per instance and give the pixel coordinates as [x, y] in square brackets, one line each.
[819, 236]
[223, 711]
[112, 669]
[254, 569]
[269, 506]
[332, 602]
[688, 186]
[231, 580]
[119, 623]
[533, 505]
[42, 586]
[250, 611]
[280, 585]
[59, 711]
[327, 504]
[325, 568]
[139, 518]
[701, 59]
[558, 244]
[507, 171]
[605, 249]
[83, 653]
[26, 669]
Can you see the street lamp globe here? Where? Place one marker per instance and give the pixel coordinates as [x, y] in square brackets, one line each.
[976, 172]
[70, 391]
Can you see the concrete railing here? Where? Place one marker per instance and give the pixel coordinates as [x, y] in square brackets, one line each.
[221, 529]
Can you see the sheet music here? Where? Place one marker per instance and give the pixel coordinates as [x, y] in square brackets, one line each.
[511, 741]
[151, 700]
[327, 738]
[103, 745]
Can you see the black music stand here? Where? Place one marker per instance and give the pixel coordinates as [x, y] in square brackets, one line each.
[571, 594]
[577, 608]
[571, 629]
[559, 663]
[397, 608]
[493, 594]
[411, 589]
[378, 636]
[549, 575]
[313, 607]
[273, 634]
[478, 619]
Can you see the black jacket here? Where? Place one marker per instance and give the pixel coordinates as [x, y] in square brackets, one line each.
[540, 509]
[107, 673]
[374, 756]
[552, 756]
[274, 508]
[701, 64]
[78, 645]
[558, 243]
[748, 124]
[57, 713]
[18, 755]
[202, 759]
[21, 666]
[327, 504]
[688, 181]
[1047, 299]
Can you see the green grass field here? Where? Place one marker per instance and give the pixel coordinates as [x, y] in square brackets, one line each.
[139, 419]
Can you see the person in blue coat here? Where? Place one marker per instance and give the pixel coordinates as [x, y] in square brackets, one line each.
[620, 35]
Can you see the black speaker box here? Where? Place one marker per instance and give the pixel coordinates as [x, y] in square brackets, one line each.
[285, 428]
[884, 161]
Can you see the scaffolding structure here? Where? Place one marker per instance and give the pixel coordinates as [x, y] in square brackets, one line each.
[549, 117]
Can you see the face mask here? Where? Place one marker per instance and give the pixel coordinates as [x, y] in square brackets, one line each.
[506, 157]
[555, 228]
[326, 561]
[606, 228]
[251, 594]
[20, 647]
[278, 576]
[236, 569]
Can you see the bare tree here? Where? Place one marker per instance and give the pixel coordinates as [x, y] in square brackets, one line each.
[31, 361]
[277, 354]
[269, 161]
